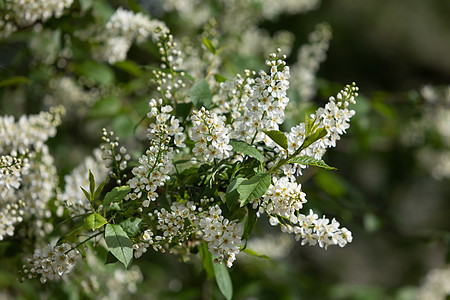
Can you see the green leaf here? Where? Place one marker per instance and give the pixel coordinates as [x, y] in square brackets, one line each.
[309, 122]
[255, 254]
[131, 226]
[129, 66]
[278, 137]
[317, 135]
[200, 94]
[100, 73]
[219, 78]
[207, 260]
[86, 193]
[254, 187]
[119, 243]
[223, 280]
[232, 194]
[310, 161]
[243, 147]
[91, 184]
[209, 45]
[117, 194]
[14, 81]
[95, 221]
[249, 223]
[100, 188]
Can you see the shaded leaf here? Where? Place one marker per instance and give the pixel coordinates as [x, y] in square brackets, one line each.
[249, 223]
[232, 194]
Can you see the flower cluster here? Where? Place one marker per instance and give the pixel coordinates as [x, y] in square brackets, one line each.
[123, 28]
[116, 158]
[334, 117]
[223, 236]
[11, 170]
[264, 110]
[188, 223]
[51, 263]
[210, 135]
[28, 175]
[282, 202]
[24, 12]
[312, 230]
[156, 165]
[283, 198]
[10, 215]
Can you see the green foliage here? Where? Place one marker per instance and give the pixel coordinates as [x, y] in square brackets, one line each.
[253, 188]
[116, 195]
[310, 161]
[223, 280]
[246, 149]
[278, 137]
[95, 221]
[200, 94]
[119, 244]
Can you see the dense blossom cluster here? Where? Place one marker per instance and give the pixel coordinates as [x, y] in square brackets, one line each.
[282, 203]
[24, 12]
[123, 28]
[335, 117]
[51, 263]
[210, 135]
[264, 109]
[156, 165]
[28, 175]
[186, 222]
